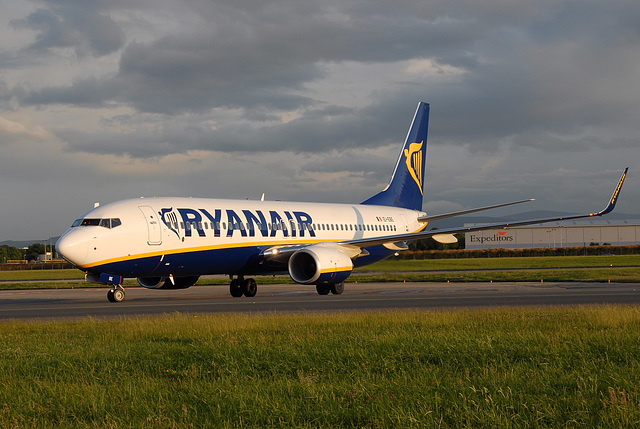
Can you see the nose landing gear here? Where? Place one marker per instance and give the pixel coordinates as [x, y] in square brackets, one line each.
[116, 294]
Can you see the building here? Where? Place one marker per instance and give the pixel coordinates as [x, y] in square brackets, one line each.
[572, 233]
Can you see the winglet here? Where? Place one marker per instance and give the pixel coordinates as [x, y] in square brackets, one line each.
[614, 197]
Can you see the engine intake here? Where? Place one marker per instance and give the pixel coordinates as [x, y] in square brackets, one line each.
[319, 265]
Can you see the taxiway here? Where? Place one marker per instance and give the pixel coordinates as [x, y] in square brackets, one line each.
[78, 303]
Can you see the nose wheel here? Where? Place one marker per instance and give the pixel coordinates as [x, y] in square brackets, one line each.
[116, 294]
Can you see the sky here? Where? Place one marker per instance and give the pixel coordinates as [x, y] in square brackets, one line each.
[311, 101]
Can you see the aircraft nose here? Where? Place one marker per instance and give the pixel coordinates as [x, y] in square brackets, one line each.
[74, 246]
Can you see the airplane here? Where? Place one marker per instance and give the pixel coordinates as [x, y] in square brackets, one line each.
[168, 243]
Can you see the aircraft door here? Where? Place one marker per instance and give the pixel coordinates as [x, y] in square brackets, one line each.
[153, 225]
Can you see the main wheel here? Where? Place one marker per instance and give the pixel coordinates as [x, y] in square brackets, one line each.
[250, 288]
[337, 288]
[236, 288]
[323, 289]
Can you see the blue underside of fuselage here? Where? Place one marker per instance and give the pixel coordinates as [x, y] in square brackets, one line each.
[241, 260]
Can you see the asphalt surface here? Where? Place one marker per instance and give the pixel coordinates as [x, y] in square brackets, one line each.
[79, 303]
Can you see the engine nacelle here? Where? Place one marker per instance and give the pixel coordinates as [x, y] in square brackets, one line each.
[151, 282]
[319, 265]
[166, 283]
[180, 282]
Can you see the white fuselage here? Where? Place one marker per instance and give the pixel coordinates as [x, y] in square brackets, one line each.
[197, 236]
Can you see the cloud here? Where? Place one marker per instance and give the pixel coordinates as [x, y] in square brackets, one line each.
[82, 26]
[246, 56]
[15, 130]
[312, 99]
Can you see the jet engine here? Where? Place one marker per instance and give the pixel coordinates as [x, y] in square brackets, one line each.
[319, 265]
[166, 283]
[151, 282]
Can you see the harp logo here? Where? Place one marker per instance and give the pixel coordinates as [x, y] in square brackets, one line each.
[413, 157]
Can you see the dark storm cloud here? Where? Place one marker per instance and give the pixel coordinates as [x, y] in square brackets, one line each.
[529, 69]
[329, 128]
[248, 56]
[83, 26]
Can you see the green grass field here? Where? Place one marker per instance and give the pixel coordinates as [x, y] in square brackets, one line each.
[513, 263]
[560, 367]
[524, 269]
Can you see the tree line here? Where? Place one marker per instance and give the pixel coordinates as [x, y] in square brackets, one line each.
[10, 253]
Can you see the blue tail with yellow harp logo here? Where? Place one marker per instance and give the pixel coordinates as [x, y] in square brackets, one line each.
[406, 188]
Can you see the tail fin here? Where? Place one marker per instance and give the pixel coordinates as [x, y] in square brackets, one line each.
[406, 186]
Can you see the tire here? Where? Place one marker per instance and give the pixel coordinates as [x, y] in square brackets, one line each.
[323, 289]
[337, 288]
[236, 288]
[118, 295]
[250, 288]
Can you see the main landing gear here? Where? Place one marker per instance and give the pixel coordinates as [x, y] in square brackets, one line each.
[249, 288]
[242, 286]
[116, 294]
[336, 289]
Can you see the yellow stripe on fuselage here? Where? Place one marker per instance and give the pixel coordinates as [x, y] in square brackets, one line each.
[198, 249]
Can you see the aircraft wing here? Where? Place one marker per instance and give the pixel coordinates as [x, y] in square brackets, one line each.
[367, 242]
[463, 212]
[356, 247]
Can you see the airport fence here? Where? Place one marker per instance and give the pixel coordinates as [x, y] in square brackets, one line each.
[31, 266]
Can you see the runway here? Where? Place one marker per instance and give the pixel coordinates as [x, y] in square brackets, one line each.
[79, 303]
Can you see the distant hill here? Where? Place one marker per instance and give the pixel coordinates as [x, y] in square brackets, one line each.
[27, 243]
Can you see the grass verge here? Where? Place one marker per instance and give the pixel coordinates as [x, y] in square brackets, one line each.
[561, 367]
[624, 268]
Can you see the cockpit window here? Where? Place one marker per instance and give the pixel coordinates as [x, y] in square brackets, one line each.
[105, 223]
[90, 222]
